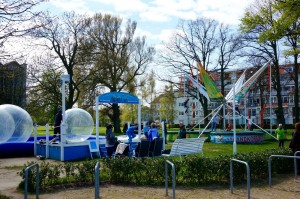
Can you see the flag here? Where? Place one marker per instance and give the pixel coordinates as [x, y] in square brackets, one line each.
[238, 86]
[213, 92]
[199, 86]
[246, 86]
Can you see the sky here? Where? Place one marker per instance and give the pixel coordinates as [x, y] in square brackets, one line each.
[156, 19]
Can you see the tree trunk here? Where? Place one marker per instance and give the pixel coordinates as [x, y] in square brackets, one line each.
[205, 110]
[296, 81]
[279, 113]
[116, 118]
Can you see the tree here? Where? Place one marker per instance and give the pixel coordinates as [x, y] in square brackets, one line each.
[44, 98]
[196, 42]
[129, 113]
[117, 58]
[228, 50]
[257, 24]
[63, 37]
[17, 18]
[44, 89]
[288, 26]
[167, 104]
[13, 84]
[148, 93]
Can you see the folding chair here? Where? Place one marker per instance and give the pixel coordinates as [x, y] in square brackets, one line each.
[142, 149]
[157, 147]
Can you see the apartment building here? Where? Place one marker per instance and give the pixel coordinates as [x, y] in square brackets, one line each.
[258, 104]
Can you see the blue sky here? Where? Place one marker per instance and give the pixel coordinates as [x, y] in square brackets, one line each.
[156, 19]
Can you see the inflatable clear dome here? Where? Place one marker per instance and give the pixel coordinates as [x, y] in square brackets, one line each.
[15, 124]
[79, 125]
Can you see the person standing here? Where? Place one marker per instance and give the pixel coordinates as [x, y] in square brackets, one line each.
[110, 140]
[214, 123]
[153, 132]
[57, 122]
[280, 132]
[250, 125]
[182, 131]
[125, 128]
[131, 134]
[295, 144]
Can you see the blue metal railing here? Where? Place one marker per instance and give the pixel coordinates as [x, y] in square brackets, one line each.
[173, 177]
[97, 180]
[281, 156]
[295, 164]
[231, 175]
[37, 180]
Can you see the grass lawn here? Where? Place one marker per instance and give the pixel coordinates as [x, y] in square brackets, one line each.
[210, 149]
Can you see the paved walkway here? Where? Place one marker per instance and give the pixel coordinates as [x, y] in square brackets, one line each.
[283, 187]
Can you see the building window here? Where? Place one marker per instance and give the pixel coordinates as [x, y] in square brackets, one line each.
[291, 98]
[285, 99]
[274, 99]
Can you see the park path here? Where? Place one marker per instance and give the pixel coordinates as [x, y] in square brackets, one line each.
[283, 187]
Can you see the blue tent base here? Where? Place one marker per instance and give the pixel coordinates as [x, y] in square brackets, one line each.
[71, 151]
[19, 149]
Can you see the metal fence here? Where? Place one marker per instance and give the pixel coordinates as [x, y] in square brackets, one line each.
[281, 156]
[97, 180]
[248, 175]
[173, 178]
[36, 183]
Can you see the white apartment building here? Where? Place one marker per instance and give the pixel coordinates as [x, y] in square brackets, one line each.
[189, 110]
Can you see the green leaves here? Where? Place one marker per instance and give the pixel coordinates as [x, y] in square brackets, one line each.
[193, 170]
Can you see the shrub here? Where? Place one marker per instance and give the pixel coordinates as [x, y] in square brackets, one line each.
[193, 170]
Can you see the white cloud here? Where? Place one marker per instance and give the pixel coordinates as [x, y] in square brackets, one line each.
[228, 11]
[224, 11]
[166, 34]
[78, 6]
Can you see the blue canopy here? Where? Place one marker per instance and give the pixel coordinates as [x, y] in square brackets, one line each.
[118, 98]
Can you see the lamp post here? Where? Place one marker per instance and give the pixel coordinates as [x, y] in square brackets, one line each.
[65, 79]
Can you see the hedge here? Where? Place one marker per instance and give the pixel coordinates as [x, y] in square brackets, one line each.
[194, 170]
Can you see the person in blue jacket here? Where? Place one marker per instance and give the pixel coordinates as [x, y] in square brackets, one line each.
[131, 134]
[153, 132]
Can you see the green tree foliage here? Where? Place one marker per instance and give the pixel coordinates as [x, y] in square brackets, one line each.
[116, 56]
[129, 113]
[288, 27]
[44, 95]
[148, 95]
[257, 25]
[167, 104]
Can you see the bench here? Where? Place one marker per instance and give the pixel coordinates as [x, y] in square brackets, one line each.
[186, 146]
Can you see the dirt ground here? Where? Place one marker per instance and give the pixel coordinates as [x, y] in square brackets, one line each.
[283, 187]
